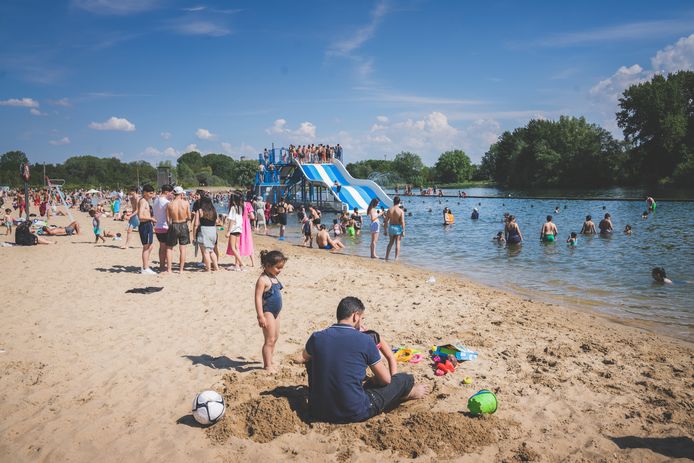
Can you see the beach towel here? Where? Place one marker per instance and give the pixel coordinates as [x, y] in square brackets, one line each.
[246, 239]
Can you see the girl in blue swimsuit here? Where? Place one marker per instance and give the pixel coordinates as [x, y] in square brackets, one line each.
[268, 301]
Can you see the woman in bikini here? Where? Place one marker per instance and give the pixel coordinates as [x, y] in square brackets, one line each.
[375, 226]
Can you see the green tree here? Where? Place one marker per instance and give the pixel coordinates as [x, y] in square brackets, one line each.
[363, 169]
[453, 167]
[221, 164]
[186, 176]
[657, 118]
[409, 167]
[192, 159]
[9, 168]
[244, 173]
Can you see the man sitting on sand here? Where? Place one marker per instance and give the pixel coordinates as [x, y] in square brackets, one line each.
[336, 360]
[72, 229]
[324, 241]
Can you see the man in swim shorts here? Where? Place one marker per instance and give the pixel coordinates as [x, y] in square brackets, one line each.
[72, 229]
[336, 359]
[395, 227]
[282, 217]
[146, 227]
[177, 216]
[549, 231]
[324, 241]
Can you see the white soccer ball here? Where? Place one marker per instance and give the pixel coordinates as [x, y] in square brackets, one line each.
[208, 407]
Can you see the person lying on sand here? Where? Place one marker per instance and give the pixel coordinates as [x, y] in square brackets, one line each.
[72, 229]
[336, 359]
[324, 241]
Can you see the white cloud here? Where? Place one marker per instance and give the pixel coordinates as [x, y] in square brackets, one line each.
[114, 123]
[20, 102]
[115, 7]
[242, 150]
[305, 133]
[64, 102]
[192, 147]
[306, 130]
[204, 134]
[676, 57]
[36, 112]
[165, 135]
[153, 152]
[629, 31]
[62, 141]
[199, 27]
[611, 88]
[361, 35]
[382, 119]
[277, 127]
[195, 8]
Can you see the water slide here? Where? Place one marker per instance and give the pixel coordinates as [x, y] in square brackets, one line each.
[353, 192]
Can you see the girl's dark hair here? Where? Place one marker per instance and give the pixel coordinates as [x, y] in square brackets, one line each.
[658, 273]
[372, 204]
[236, 202]
[207, 208]
[270, 258]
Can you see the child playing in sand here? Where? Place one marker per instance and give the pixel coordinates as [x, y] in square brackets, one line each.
[7, 222]
[383, 347]
[268, 302]
[573, 239]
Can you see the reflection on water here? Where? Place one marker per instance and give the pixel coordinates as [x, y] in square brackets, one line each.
[611, 274]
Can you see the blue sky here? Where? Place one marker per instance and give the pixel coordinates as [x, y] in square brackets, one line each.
[151, 79]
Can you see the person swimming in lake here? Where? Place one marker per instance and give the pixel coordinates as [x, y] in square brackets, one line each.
[475, 214]
[605, 225]
[627, 230]
[659, 275]
[549, 231]
[499, 238]
[448, 217]
[573, 239]
[512, 231]
[644, 215]
[588, 227]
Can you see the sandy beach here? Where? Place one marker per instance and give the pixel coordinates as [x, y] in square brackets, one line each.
[89, 371]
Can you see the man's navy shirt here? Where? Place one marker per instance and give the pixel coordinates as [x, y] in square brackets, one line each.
[339, 358]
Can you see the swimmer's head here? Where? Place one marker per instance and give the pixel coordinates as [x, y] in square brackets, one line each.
[573, 235]
[607, 216]
[658, 274]
[549, 218]
[322, 227]
[628, 227]
[589, 218]
[396, 200]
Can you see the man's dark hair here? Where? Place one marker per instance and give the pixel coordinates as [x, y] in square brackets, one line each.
[348, 306]
[396, 200]
[148, 188]
[166, 188]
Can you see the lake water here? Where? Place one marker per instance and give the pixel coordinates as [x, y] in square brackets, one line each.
[612, 274]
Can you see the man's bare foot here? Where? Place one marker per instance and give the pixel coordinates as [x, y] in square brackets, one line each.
[419, 391]
[271, 370]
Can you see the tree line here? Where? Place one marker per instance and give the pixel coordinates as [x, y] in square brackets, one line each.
[657, 118]
[192, 170]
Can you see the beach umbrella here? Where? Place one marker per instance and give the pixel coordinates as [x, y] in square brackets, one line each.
[92, 191]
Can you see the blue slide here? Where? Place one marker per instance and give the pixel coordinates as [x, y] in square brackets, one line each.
[353, 192]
